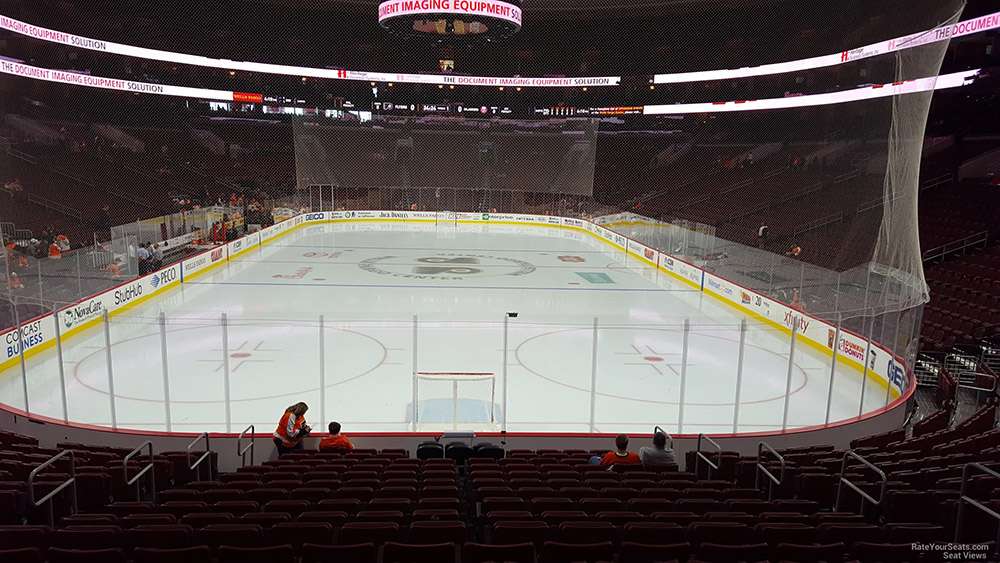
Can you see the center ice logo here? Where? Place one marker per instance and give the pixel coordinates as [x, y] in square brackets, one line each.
[446, 266]
[443, 265]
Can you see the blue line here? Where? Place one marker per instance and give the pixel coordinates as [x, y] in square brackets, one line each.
[443, 287]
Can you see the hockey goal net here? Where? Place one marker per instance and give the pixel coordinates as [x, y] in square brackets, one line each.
[453, 398]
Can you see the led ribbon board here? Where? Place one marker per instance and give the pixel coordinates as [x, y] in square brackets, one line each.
[926, 84]
[944, 81]
[967, 27]
[80, 42]
[942, 33]
[488, 9]
[90, 81]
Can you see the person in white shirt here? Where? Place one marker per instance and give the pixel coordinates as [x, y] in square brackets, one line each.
[142, 253]
[156, 257]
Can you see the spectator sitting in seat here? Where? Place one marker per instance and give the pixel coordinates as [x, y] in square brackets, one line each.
[659, 454]
[335, 441]
[620, 456]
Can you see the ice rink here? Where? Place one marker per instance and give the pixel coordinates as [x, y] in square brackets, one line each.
[343, 315]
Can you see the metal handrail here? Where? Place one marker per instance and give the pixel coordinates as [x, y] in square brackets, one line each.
[68, 482]
[700, 456]
[845, 481]
[975, 239]
[670, 439]
[240, 450]
[963, 498]
[977, 374]
[54, 205]
[761, 448]
[149, 467]
[204, 456]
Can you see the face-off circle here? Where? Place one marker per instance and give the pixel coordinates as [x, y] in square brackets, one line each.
[490, 19]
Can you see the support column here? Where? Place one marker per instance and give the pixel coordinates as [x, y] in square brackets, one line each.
[791, 367]
[225, 374]
[684, 370]
[739, 375]
[593, 378]
[111, 374]
[415, 379]
[833, 369]
[59, 361]
[166, 370]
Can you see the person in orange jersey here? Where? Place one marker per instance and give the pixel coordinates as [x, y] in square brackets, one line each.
[335, 441]
[292, 428]
[620, 455]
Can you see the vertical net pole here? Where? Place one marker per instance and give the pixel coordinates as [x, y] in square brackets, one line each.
[802, 276]
[111, 374]
[454, 404]
[503, 369]
[166, 370]
[593, 378]
[39, 263]
[864, 374]
[225, 373]
[59, 362]
[322, 369]
[770, 282]
[892, 350]
[6, 264]
[833, 369]
[415, 409]
[79, 274]
[868, 281]
[20, 354]
[684, 370]
[836, 297]
[791, 367]
[739, 374]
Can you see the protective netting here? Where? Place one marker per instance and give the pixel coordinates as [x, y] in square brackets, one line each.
[896, 255]
[553, 156]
